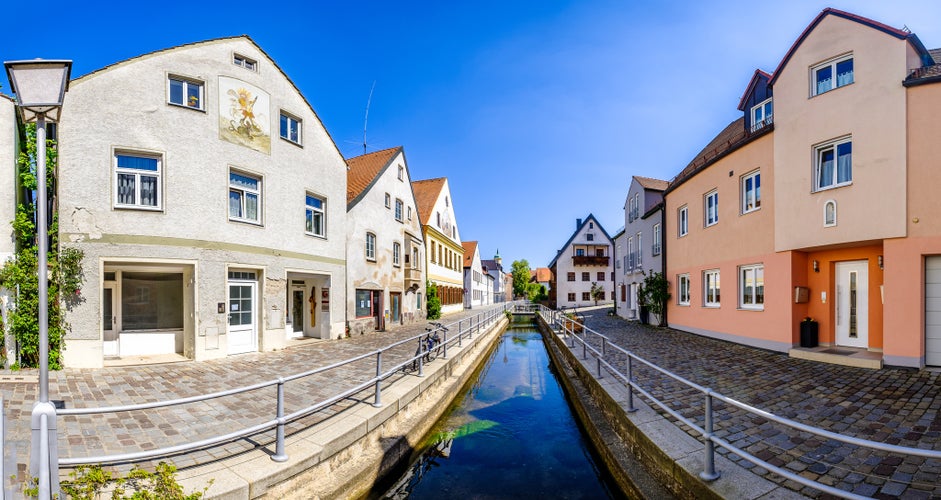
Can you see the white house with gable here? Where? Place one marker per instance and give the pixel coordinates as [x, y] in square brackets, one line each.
[583, 262]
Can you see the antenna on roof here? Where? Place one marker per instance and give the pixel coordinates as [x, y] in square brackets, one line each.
[906, 29]
[366, 119]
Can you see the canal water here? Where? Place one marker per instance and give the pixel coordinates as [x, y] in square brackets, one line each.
[511, 434]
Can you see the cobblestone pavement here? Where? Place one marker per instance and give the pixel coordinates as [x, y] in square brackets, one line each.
[896, 406]
[96, 435]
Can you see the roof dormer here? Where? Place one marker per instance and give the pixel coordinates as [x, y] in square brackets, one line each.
[756, 102]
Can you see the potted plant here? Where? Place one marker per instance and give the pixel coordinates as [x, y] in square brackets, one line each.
[809, 332]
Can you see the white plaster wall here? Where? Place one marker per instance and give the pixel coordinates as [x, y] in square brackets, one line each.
[482, 286]
[438, 273]
[125, 106]
[565, 264]
[371, 215]
[8, 154]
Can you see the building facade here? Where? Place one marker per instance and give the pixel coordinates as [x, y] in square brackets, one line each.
[642, 240]
[385, 251]
[494, 267]
[208, 200]
[444, 254]
[584, 262]
[478, 287]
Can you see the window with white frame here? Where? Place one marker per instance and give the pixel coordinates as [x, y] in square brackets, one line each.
[829, 213]
[683, 220]
[586, 296]
[751, 192]
[571, 296]
[137, 180]
[388, 200]
[630, 209]
[291, 128]
[630, 253]
[640, 251]
[315, 216]
[636, 206]
[401, 173]
[683, 286]
[244, 197]
[409, 213]
[710, 281]
[761, 115]
[398, 209]
[370, 246]
[831, 74]
[185, 92]
[655, 250]
[833, 165]
[752, 286]
[712, 208]
[245, 62]
[590, 237]
[396, 254]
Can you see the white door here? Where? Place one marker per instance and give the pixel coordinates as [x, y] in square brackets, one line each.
[242, 318]
[297, 303]
[109, 322]
[852, 303]
[933, 311]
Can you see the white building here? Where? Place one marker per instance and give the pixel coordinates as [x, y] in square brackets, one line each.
[385, 251]
[582, 263]
[642, 240]
[478, 287]
[444, 254]
[494, 267]
[209, 202]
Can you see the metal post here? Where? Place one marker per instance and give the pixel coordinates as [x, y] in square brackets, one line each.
[279, 454]
[709, 469]
[421, 354]
[630, 388]
[460, 334]
[604, 345]
[445, 354]
[600, 375]
[584, 348]
[378, 402]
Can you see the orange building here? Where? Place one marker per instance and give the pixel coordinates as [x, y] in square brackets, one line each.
[827, 207]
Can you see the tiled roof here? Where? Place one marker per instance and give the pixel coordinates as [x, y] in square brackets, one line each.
[651, 183]
[470, 248]
[926, 74]
[491, 264]
[365, 169]
[426, 194]
[732, 136]
[542, 274]
[756, 77]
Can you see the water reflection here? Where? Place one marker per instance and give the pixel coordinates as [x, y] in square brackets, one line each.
[512, 435]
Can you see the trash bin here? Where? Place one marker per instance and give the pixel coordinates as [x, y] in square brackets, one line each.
[644, 315]
[808, 334]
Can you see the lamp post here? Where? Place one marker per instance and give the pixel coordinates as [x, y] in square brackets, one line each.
[40, 87]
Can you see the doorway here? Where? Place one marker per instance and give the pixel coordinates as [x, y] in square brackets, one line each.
[242, 332]
[396, 299]
[852, 303]
[109, 321]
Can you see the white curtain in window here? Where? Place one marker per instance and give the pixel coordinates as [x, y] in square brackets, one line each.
[844, 168]
[126, 189]
[826, 168]
[148, 191]
[251, 206]
[235, 204]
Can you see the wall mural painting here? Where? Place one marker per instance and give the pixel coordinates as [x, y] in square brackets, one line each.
[244, 114]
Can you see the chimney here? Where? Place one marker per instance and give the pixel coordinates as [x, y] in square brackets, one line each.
[578, 223]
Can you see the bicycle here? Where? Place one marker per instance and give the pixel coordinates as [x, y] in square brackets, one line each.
[429, 346]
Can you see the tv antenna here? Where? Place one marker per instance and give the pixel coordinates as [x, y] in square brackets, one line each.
[366, 118]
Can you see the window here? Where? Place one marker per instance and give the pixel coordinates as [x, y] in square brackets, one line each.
[398, 209]
[586, 295]
[188, 93]
[590, 237]
[370, 246]
[614, 295]
[599, 252]
[829, 213]
[290, 128]
[655, 250]
[571, 297]
[683, 222]
[640, 252]
[314, 208]
[631, 209]
[571, 276]
[600, 275]
[591, 225]
[396, 254]
[137, 181]
[152, 301]
[244, 197]
[401, 173]
[409, 213]
[751, 192]
[712, 208]
[630, 253]
[364, 303]
[586, 276]
[579, 252]
[636, 206]
[414, 258]
[761, 115]
[683, 285]
[832, 74]
[834, 164]
[710, 280]
[388, 200]
[240, 60]
[752, 286]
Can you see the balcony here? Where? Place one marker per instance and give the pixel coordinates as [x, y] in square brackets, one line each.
[412, 278]
[590, 260]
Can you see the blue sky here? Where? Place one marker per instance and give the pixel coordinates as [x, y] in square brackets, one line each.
[538, 112]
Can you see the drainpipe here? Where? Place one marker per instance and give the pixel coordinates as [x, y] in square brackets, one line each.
[663, 252]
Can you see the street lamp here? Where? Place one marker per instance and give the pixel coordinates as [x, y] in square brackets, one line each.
[40, 87]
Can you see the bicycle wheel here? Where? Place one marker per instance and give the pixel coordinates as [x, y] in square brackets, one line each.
[433, 353]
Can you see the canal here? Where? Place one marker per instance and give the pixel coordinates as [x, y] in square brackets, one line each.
[510, 434]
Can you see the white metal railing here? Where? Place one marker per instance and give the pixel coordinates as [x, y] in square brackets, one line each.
[465, 328]
[569, 328]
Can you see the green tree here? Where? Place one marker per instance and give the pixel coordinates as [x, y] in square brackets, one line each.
[655, 294]
[521, 275]
[432, 300]
[597, 292]
[20, 273]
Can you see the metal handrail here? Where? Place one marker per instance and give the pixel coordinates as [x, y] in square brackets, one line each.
[474, 324]
[567, 327]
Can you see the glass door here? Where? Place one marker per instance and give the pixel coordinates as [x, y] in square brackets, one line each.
[109, 323]
[242, 319]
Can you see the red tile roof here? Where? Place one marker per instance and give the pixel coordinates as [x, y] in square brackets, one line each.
[541, 274]
[426, 194]
[363, 170]
[470, 248]
[651, 183]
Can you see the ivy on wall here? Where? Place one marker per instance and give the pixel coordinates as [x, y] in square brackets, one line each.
[19, 275]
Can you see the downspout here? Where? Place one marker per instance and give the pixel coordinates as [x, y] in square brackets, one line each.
[663, 253]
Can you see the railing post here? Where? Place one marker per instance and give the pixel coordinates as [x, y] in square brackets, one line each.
[585, 348]
[421, 355]
[460, 333]
[599, 367]
[279, 454]
[445, 354]
[378, 401]
[604, 345]
[630, 388]
[709, 469]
